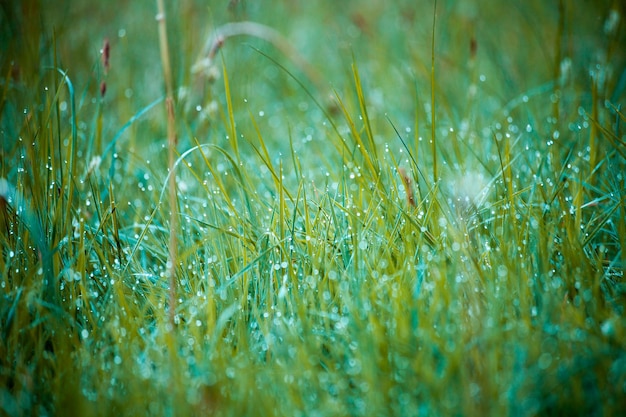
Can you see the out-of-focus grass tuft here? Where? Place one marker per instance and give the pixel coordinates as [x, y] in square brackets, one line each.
[353, 233]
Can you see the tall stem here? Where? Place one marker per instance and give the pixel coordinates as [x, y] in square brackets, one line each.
[432, 97]
[171, 141]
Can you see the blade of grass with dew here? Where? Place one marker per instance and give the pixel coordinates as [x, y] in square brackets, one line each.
[172, 262]
[234, 141]
[362, 149]
[433, 136]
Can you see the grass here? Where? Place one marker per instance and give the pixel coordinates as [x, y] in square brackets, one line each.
[355, 209]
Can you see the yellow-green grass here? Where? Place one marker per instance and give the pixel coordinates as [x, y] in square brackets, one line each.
[355, 208]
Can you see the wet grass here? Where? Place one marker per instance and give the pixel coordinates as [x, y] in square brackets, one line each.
[355, 209]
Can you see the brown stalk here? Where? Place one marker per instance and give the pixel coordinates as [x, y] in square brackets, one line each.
[406, 181]
[171, 141]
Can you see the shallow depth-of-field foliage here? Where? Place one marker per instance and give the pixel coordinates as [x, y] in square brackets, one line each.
[311, 208]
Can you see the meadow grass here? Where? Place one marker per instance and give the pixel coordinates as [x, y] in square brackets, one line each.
[313, 208]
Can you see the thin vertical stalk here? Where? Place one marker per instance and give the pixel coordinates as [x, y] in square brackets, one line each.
[555, 157]
[416, 126]
[593, 130]
[432, 96]
[231, 115]
[171, 141]
[558, 56]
